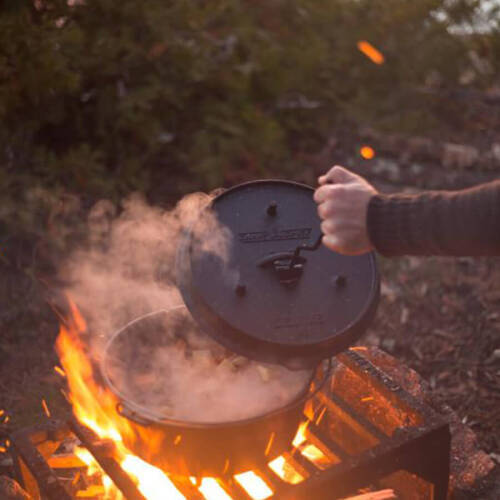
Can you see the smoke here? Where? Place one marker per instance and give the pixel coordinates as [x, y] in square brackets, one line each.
[127, 270]
[168, 369]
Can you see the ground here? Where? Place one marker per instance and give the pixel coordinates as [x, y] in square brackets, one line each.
[441, 316]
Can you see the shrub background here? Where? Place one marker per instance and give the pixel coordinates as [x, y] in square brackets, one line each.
[99, 98]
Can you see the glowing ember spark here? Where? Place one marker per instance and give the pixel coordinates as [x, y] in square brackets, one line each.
[60, 371]
[269, 443]
[368, 398]
[285, 471]
[45, 408]
[3, 449]
[212, 490]
[321, 415]
[177, 439]
[371, 52]
[6, 419]
[2, 413]
[367, 152]
[254, 485]
[66, 397]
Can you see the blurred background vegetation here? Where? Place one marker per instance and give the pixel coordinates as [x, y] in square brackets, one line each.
[100, 98]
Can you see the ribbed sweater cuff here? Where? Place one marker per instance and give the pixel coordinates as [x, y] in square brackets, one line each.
[388, 219]
[463, 222]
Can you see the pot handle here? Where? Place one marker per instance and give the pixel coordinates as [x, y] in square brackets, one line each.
[129, 414]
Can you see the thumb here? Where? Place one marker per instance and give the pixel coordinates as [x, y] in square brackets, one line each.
[338, 175]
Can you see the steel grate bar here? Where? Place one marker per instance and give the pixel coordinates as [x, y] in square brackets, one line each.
[357, 422]
[188, 489]
[306, 464]
[274, 481]
[384, 385]
[235, 490]
[317, 437]
[109, 465]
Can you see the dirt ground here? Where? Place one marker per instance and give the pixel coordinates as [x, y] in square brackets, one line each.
[441, 316]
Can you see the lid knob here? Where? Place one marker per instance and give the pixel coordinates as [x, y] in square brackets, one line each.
[272, 209]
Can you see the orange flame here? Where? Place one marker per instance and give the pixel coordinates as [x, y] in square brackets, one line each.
[371, 52]
[95, 407]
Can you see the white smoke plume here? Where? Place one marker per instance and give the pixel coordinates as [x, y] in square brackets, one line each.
[127, 270]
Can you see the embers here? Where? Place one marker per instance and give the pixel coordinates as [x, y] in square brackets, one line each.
[362, 431]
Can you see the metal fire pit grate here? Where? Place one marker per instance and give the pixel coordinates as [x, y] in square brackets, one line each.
[364, 430]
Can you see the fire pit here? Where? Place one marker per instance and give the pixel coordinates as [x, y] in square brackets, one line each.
[360, 430]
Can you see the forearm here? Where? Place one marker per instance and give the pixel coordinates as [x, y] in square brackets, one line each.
[437, 222]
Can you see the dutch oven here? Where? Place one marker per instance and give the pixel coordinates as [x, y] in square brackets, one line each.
[255, 279]
[194, 448]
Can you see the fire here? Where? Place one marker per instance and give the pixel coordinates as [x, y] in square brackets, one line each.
[212, 490]
[153, 484]
[371, 52]
[285, 470]
[254, 485]
[309, 450]
[95, 407]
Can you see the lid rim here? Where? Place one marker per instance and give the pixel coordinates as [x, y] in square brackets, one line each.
[258, 348]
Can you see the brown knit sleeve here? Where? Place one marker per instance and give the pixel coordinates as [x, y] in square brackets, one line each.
[455, 223]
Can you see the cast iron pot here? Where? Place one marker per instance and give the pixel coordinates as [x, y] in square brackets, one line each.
[201, 449]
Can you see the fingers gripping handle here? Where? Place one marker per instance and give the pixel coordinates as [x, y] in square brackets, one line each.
[304, 246]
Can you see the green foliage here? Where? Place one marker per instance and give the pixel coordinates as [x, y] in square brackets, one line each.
[101, 97]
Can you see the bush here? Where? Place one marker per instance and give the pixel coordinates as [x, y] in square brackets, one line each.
[100, 97]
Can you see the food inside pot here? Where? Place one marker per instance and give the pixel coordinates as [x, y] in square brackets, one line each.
[164, 365]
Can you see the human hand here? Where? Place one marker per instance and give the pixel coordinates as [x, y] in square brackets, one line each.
[342, 206]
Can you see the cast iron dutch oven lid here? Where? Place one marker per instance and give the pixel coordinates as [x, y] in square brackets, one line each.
[254, 297]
